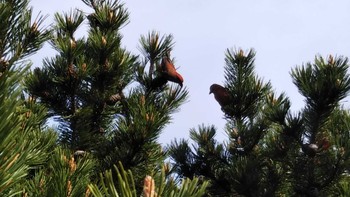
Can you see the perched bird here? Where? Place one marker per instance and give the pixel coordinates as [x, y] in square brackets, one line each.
[169, 71]
[221, 94]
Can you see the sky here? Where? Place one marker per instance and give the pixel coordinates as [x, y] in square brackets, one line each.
[284, 34]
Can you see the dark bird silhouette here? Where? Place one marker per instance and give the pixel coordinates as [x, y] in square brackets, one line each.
[221, 94]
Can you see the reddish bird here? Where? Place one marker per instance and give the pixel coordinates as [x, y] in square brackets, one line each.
[169, 71]
[221, 94]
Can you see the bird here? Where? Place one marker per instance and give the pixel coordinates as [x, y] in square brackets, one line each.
[169, 72]
[221, 94]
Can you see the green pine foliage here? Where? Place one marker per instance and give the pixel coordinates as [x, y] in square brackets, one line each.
[134, 139]
[112, 105]
[23, 146]
[83, 84]
[126, 185]
[271, 151]
[64, 174]
[102, 96]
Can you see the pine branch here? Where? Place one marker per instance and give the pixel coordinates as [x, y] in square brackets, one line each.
[19, 151]
[323, 84]
[183, 157]
[154, 47]
[20, 37]
[246, 90]
[63, 175]
[67, 24]
[109, 16]
[126, 186]
[277, 108]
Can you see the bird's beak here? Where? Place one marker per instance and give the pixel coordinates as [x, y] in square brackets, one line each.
[210, 92]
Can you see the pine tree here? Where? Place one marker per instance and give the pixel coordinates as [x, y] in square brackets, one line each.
[134, 141]
[83, 84]
[102, 96]
[23, 145]
[270, 150]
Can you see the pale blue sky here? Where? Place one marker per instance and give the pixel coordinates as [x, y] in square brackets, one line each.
[283, 33]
